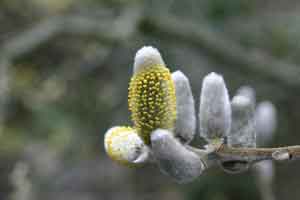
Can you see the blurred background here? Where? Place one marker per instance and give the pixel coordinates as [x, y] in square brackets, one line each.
[64, 72]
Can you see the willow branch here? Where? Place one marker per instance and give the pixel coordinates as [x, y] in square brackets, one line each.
[225, 153]
[258, 154]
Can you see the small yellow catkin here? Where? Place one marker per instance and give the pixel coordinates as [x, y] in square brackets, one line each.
[152, 100]
[123, 144]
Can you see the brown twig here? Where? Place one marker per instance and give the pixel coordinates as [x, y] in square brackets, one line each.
[257, 154]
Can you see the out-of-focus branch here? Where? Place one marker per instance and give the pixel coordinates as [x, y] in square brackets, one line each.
[120, 29]
[110, 31]
[4, 88]
[117, 30]
[229, 51]
[30, 39]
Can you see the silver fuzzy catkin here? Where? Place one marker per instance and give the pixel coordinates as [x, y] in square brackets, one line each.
[215, 109]
[243, 133]
[247, 91]
[173, 158]
[186, 120]
[266, 121]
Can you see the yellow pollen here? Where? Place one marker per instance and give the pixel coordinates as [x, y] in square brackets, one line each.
[152, 100]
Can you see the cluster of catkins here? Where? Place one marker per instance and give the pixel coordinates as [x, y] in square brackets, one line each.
[164, 120]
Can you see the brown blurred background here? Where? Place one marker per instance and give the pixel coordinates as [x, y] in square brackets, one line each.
[64, 72]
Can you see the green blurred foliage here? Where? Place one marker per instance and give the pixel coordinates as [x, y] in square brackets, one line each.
[220, 10]
[221, 189]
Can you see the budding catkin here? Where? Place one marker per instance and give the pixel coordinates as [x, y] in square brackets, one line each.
[152, 100]
[123, 144]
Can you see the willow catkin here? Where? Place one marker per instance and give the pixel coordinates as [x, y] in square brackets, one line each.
[123, 145]
[152, 100]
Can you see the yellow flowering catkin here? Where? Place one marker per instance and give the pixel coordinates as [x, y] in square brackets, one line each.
[152, 100]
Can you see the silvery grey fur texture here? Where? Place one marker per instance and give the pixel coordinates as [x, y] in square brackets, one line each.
[186, 120]
[243, 132]
[173, 158]
[215, 109]
[266, 122]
